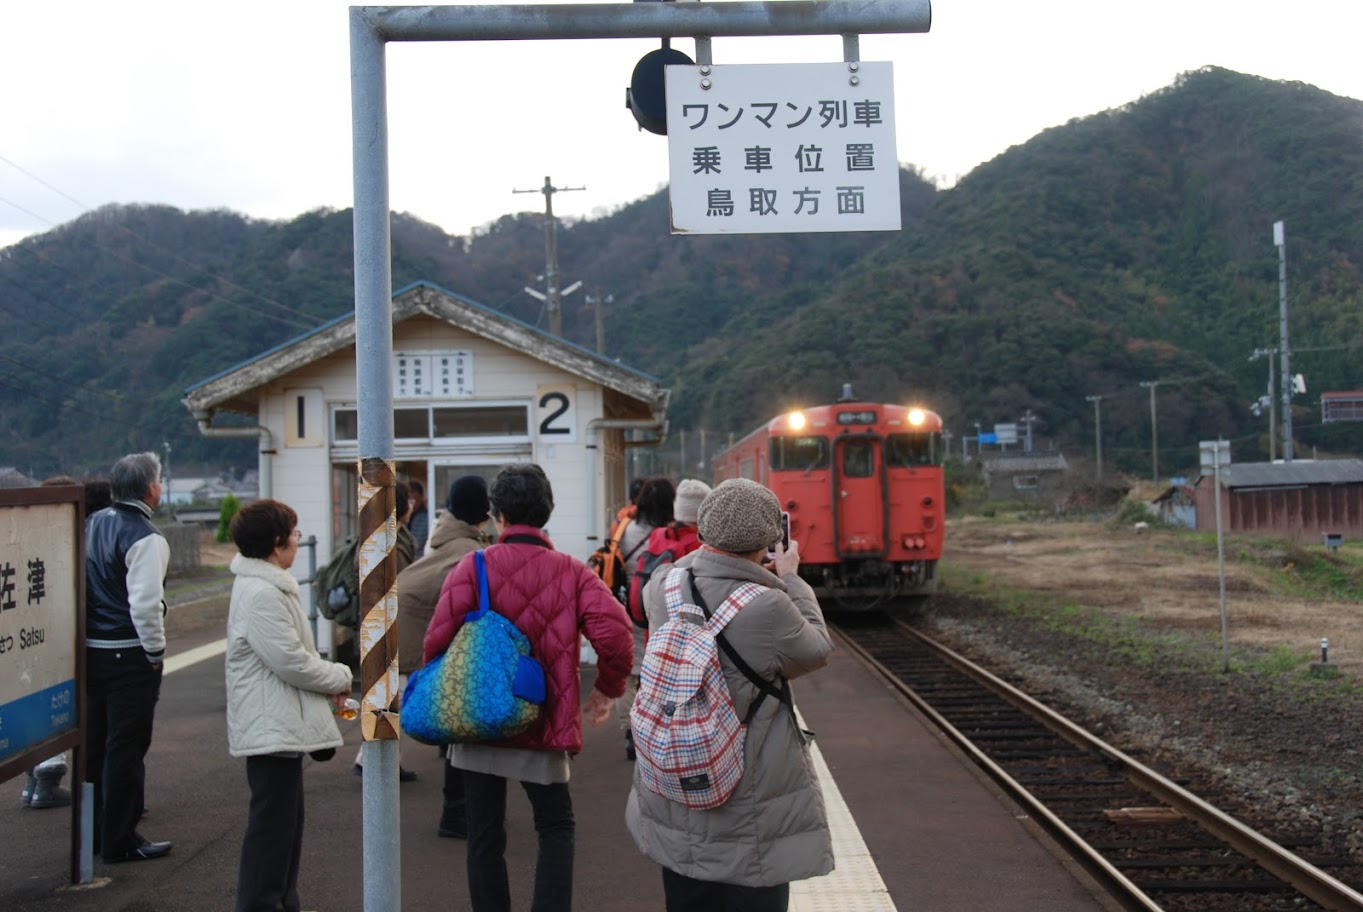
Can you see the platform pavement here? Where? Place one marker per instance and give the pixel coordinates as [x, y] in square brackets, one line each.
[933, 835]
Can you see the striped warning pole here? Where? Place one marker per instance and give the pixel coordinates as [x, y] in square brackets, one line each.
[378, 599]
[378, 636]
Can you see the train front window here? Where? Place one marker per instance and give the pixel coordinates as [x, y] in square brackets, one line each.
[798, 454]
[858, 459]
[910, 450]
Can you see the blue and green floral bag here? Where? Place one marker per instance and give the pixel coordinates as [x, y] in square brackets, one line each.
[486, 687]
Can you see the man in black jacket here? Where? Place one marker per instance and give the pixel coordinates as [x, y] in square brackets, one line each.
[126, 559]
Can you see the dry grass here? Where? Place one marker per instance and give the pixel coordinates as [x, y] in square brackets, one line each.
[1168, 577]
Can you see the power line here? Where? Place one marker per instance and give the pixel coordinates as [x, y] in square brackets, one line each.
[286, 314]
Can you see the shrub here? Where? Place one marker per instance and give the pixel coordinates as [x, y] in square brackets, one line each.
[229, 508]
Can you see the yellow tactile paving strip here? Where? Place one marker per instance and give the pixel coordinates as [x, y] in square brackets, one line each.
[855, 884]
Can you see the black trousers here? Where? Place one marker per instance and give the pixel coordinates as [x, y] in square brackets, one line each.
[686, 894]
[121, 689]
[489, 891]
[267, 880]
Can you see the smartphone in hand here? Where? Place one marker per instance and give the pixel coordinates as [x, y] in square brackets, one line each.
[785, 536]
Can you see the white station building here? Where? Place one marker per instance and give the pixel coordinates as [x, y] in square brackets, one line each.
[473, 390]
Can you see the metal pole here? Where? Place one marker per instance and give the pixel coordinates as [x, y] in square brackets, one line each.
[647, 20]
[370, 29]
[1154, 432]
[1280, 239]
[374, 385]
[1097, 434]
[1221, 555]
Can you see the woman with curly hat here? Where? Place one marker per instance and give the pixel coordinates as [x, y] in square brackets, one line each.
[742, 855]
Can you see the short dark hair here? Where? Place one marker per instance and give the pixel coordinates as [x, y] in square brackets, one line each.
[521, 495]
[400, 499]
[98, 495]
[655, 502]
[132, 476]
[261, 526]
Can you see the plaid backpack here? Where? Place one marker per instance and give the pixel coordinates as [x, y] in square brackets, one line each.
[688, 737]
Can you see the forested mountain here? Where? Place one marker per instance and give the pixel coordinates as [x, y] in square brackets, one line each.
[1133, 245]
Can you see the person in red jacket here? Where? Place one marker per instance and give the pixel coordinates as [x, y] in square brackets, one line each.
[554, 599]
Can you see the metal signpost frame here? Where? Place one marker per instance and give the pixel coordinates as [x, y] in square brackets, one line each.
[371, 28]
[47, 691]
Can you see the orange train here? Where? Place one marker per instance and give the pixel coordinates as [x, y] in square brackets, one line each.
[863, 485]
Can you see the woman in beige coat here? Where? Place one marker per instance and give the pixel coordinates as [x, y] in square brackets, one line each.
[280, 699]
[773, 829]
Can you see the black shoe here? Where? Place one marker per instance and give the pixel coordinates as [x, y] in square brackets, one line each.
[455, 831]
[404, 774]
[144, 852]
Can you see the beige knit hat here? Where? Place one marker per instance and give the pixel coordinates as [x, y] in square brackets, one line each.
[686, 505]
[740, 516]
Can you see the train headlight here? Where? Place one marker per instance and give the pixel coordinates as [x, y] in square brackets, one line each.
[796, 420]
[917, 416]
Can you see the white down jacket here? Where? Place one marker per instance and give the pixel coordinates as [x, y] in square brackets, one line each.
[277, 684]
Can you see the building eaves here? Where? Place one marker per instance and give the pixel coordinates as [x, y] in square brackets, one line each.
[221, 389]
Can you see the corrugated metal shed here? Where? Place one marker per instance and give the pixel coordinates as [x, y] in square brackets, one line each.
[1299, 501]
[1297, 472]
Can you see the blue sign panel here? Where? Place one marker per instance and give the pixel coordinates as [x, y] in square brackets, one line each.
[36, 717]
[988, 438]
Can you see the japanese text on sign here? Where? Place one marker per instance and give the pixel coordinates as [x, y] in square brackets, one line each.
[782, 148]
[38, 603]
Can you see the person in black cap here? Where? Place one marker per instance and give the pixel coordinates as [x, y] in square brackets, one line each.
[458, 532]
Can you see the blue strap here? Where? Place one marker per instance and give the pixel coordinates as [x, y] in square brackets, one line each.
[484, 601]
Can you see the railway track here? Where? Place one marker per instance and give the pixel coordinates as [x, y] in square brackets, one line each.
[1149, 841]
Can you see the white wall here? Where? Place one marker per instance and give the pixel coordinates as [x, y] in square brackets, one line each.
[302, 465]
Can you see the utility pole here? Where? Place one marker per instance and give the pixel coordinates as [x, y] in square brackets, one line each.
[598, 299]
[552, 295]
[946, 444]
[1271, 401]
[1027, 419]
[1154, 432]
[1097, 434]
[1285, 377]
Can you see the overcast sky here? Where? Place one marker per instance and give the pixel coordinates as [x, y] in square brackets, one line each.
[246, 105]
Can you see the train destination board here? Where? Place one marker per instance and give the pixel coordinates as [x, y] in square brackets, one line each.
[768, 148]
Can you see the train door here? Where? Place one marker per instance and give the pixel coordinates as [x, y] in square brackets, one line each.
[858, 496]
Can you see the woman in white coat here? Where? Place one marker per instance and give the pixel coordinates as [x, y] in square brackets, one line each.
[280, 698]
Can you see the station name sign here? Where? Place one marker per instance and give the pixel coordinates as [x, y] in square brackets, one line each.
[38, 623]
[767, 148]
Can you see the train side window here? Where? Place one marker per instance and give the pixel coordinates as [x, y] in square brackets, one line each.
[858, 459]
[798, 454]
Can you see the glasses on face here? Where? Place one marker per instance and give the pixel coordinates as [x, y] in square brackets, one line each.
[298, 534]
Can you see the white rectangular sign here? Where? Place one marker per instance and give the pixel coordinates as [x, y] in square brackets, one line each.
[764, 148]
[38, 602]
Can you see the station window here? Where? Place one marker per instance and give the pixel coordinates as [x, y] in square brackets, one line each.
[798, 454]
[411, 423]
[439, 422]
[481, 421]
[910, 450]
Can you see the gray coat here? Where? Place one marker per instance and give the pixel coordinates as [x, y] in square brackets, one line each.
[773, 829]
